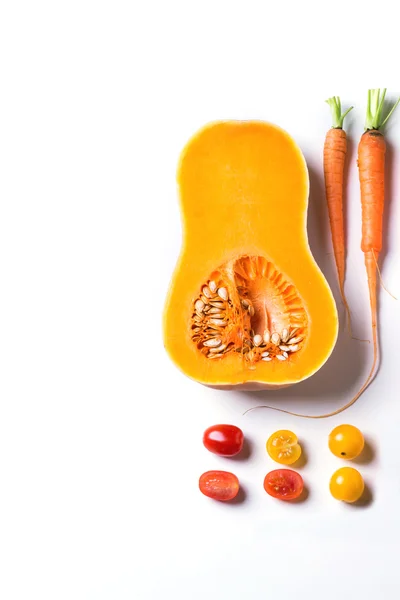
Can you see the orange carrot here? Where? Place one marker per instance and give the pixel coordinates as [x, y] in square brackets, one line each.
[335, 149]
[371, 164]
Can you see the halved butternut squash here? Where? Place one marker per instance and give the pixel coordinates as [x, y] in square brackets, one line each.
[247, 306]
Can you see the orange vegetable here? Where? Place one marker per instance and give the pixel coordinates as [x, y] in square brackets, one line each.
[247, 305]
[283, 447]
[371, 165]
[347, 485]
[346, 441]
[335, 149]
[219, 485]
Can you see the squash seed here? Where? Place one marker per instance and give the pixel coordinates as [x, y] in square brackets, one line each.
[212, 343]
[296, 340]
[207, 292]
[219, 322]
[280, 357]
[257, 339]
[285, 335]
[223, 293]
[199, 306]
[217, 349]
[213, 286]
[266, 358]
[267, 337]
[216, 329]
[276, 339]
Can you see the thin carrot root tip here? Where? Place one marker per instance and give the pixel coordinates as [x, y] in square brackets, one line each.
[380, 277]
[348, 313]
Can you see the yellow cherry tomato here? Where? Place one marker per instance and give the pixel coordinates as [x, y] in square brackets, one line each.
[346, 441]
[347, 484]
[283, 447]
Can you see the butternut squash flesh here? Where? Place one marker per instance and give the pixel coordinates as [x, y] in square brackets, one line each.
[247, 306]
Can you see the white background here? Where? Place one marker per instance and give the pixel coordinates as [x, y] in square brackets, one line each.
[100, 435]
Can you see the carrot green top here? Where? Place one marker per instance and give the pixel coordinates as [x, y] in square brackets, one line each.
[376, 100]
[336, 110]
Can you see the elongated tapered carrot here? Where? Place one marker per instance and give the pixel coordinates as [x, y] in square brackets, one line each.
[335, 150]
[371, 166]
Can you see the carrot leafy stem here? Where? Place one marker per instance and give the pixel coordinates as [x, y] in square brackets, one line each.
[336, 110]
[375, 104]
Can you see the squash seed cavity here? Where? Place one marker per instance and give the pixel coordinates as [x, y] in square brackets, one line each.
[249, 308]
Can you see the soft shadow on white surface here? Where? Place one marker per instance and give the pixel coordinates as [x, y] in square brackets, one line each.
[244, 454]
[369, 453]
[351, 158]
[240, 498]
[389, 200]
[304, 496]
[387, 215]
[303, 460]
[365, 501]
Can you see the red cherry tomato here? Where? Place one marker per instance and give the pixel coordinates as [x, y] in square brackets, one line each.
[284, 484]
[219, 485]
[225, 440]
